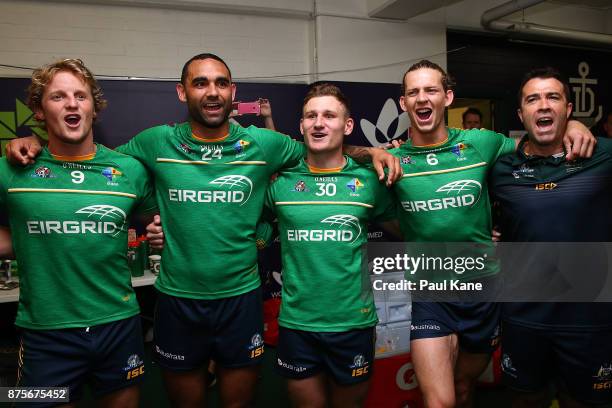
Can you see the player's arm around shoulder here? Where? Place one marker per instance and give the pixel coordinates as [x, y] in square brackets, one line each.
[280, 150]
[140, 181]
[145, 145]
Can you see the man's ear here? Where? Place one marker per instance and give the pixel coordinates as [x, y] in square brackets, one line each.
[180, 91]
[349, 126]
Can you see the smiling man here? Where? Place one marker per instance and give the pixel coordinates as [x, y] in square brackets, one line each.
[450, 342]
[556, 201]
[68, 217]
[323, 205]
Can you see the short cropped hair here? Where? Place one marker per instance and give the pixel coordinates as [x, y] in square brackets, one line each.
[42, 76]
[203, 56]
[326, 89]
[544, 73]
[447, 81]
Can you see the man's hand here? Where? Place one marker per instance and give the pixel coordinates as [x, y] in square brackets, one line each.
[265, 109]
[155, 233]
[382, 159]
[578, 140]
[22, 151]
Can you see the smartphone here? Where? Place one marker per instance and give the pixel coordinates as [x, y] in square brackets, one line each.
[246, 108]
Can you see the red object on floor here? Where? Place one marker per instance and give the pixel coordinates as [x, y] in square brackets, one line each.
[394, 384]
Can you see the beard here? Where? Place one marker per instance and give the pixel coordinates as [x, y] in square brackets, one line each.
[195, 112]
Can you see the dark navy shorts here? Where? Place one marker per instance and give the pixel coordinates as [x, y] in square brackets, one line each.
[110, 356]
[477, 324]
[347, 356]
[190, 332]
[579, 362]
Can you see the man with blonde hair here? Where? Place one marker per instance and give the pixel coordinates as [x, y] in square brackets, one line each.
[67, 214]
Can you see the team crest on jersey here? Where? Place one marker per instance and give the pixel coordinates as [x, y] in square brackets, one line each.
[257, 346]
[135, 366]
[360, 366]
[523, 171]
[112, 175]
[240, 146]
[406, 160]
[572, 166]
[300, 186]
[354, 185]
[185, 148]
[43, 172]
[457, 150]
[602, 380]
[507, 367]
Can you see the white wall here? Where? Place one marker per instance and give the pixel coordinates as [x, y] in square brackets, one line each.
[154, 42]
[149, 41]
[131, 41]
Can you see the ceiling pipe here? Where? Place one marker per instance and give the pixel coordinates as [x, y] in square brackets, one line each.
[492, 20]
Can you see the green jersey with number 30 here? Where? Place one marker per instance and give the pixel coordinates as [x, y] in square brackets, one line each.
[210, 195]
[69, 222]
[323, 220]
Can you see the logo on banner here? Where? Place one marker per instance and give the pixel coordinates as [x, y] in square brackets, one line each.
[12, 121]
[603, 378]
[405, 378]
[584, 97]
[382, 132]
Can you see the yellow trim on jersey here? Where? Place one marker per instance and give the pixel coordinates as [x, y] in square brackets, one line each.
[67, 190]
[83, 157]
[314, 169]
[254, 162]
[201, 162]
[324, 203]
[427, 173]
[201, 139]
[177, 161]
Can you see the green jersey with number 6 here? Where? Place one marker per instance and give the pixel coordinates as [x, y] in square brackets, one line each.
[323, 220]
[69, 222]
[443, 195]
[211, 194]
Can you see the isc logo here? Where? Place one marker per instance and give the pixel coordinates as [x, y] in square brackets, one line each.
[607, 385]
[257, 352]
[545, 186]
[357, 372]
[135, 372]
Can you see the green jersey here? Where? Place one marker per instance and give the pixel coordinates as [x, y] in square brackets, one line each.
[443, 194]
[210, 195]
[323, 220]
[68, 222]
